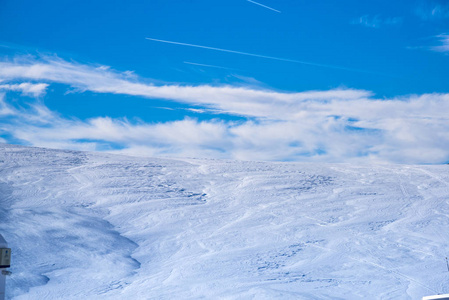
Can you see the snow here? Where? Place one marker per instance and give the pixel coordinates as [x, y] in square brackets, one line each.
[101, 226]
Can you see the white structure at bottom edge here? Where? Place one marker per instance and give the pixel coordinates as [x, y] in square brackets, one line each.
[437, 297]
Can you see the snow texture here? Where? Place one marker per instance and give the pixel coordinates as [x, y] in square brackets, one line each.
[102, 226]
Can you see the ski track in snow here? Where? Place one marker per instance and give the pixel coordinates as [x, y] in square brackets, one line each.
[100, 226]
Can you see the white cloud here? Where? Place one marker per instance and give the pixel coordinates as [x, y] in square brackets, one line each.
[433, 10]
[410, 130]
[5, 110]
[335, 125]
[26, 88]
[377, 21]
[234, 100]
[444, 46]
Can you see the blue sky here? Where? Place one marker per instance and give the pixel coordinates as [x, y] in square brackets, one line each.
[265, 80]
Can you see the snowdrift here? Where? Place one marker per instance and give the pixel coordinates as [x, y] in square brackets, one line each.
[101, 226]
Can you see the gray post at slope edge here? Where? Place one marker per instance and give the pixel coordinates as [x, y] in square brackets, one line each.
[5, 260]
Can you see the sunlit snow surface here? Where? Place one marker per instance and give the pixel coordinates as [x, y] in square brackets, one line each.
[100, 226]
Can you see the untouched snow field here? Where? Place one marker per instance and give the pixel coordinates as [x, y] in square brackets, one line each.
[101, 226]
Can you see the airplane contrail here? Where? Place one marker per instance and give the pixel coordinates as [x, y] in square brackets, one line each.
[254, 2]
[204, 65]
[266, 57]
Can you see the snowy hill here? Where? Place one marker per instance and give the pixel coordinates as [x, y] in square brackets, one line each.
[101, 226]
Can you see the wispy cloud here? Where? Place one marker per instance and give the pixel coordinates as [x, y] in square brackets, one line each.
[444, 46]
[262, 56]
[377, 21]
[26, 88]
[433, 10]
[5, 109]
[260, 4]
[234, 100]
[408, 130]
[332, 125]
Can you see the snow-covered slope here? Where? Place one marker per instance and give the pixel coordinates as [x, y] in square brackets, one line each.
[101, 226]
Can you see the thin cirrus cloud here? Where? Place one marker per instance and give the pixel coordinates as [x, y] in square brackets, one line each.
[377, 21]
[444, 43]
[26, 88]
[333, 125]
[228, 99]
[433, 10]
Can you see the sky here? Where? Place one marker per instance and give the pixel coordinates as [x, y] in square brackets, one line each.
[314, 81]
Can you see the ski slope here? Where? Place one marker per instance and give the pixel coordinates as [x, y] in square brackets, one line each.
[102, 226]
